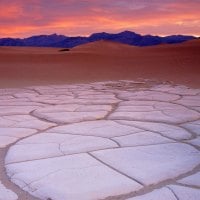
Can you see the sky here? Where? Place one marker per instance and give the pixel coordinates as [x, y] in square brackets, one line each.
[23, 18]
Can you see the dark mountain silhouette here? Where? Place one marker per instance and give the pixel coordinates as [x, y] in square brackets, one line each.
[43, 40]
[176, 38]
[126, 37]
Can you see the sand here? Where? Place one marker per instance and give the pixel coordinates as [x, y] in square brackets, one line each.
[100, 61]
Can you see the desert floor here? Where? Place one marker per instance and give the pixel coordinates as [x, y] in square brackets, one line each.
[100, 61]
[65, 136]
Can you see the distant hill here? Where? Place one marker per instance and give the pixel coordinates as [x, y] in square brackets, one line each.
[126, 37]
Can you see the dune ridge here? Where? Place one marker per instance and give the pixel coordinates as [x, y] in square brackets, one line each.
[99, 61]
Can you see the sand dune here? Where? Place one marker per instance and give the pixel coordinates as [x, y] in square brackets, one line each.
[103, 60]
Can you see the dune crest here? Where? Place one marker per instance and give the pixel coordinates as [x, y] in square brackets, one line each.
[99, 61]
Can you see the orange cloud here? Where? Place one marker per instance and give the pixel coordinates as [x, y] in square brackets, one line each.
[10, 11]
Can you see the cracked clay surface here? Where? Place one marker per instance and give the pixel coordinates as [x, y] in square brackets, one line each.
[116, 140]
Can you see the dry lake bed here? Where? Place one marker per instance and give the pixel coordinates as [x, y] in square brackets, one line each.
[117, 140]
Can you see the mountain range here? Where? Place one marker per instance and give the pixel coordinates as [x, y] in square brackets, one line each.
[126, 37]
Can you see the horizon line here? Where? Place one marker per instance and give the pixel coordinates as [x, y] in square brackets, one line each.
[197, 36]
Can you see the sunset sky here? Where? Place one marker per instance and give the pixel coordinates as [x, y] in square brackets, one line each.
[23, 18]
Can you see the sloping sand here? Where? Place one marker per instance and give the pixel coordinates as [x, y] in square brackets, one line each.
[99, 61]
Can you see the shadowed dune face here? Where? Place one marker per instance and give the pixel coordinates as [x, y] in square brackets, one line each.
[98, 61]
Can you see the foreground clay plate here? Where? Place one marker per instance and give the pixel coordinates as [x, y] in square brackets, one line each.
[106, 140]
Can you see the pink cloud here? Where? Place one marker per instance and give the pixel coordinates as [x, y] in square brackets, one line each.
[22, 18]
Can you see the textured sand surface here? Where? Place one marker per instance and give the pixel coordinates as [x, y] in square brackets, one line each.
[98, 61]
